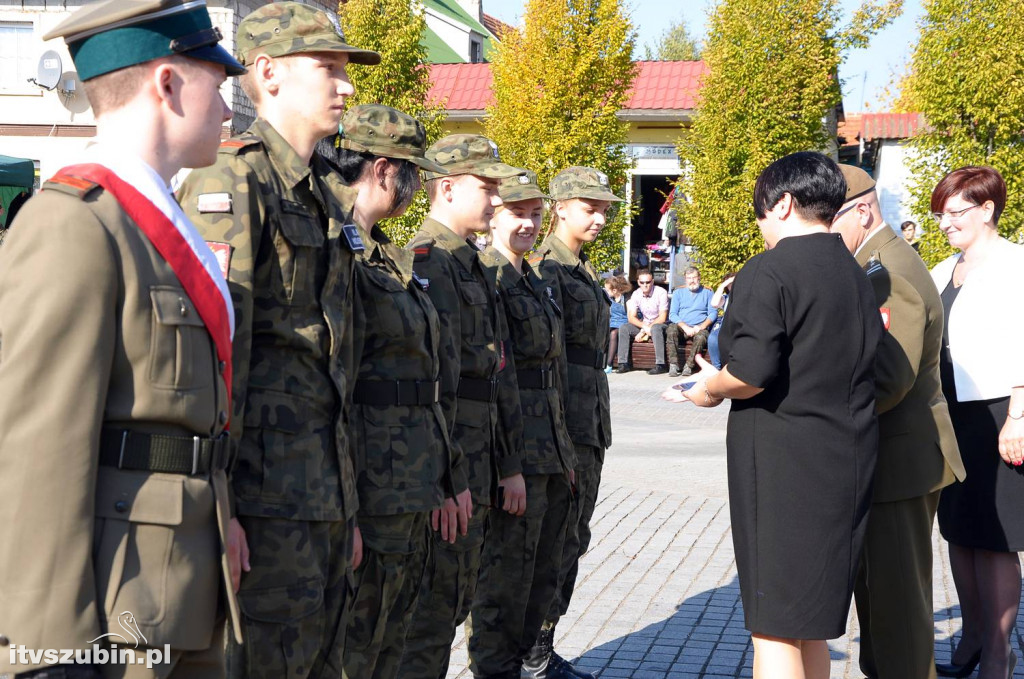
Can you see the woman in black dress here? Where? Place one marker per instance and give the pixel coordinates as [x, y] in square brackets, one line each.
[982, 366]
[798, 346]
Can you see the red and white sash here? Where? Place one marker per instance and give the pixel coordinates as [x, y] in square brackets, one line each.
[200, 286]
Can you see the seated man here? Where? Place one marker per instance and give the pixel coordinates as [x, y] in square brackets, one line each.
[652, 304]
[692, 313]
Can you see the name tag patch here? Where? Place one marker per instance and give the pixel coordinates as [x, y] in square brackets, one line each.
[207, 203]
[355, 242]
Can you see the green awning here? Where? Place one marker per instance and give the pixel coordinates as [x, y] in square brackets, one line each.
[17, 172]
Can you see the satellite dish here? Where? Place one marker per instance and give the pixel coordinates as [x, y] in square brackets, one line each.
[48, 73]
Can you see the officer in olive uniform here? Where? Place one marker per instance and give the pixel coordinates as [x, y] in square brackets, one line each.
[479, 396]
[522, 555]
[113, 402]
[399, 438]
[917, 449]
[585, 312]
[280, 220]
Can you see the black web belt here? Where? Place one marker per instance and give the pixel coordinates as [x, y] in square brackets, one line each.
[396, 392]
[163, 453]
[535, 378]
[580, 355]
[479, 390]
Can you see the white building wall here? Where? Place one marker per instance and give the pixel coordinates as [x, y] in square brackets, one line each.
[454, 33]
[892, 183]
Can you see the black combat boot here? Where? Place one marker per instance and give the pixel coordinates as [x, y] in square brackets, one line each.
[543, 663]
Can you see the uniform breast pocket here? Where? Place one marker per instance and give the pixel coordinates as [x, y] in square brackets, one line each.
[298, 242]
[529, 329]
[477, 326]
[391, 309]
[181, 351]
[581, 312]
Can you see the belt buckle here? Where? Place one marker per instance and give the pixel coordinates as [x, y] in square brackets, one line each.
[437, 390]
[124, 443]
[195, 455]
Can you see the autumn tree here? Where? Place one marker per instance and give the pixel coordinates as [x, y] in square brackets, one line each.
[559, 82]
[771, 83]
[394, 28]
[967, 78]
[675, 44]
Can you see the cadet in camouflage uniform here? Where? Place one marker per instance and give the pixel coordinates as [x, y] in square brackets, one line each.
[399, 438]
[279, 219]
[582, 198]
[479, 396]
[522, 555]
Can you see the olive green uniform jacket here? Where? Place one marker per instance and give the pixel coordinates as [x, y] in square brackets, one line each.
[290, 270]
[97, 333]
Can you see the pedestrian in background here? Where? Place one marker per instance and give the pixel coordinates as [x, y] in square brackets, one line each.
[719, 300]
[522, 554]
[982, 517]
[582, 198]
[616, 287]
[279, 218]
[802, 434]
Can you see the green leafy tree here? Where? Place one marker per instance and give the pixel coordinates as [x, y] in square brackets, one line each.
[967, 78]
[558, 84]
[771, 83]
[675, 44]
[394, 28]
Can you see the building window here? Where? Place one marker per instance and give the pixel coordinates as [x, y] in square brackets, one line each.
[476, 51]
[18, 54]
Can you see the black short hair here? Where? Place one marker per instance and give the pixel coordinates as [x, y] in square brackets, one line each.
[351, 165]
[908, 225]
[811, 178]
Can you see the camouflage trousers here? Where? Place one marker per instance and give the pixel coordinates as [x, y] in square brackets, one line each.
[447, 591]
[519, 572]
[589, 461]
[294, 601]
[387, 586]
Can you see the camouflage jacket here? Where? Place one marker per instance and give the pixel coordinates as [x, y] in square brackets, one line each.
[290, 267]
[586, 310]
[536, 334]
[473, 337]
[401, 453]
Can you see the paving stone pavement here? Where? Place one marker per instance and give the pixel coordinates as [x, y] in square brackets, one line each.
[658, 596]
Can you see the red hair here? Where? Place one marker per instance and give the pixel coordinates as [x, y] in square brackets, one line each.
[977, 183]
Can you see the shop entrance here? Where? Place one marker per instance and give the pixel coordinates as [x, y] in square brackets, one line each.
[648, 247]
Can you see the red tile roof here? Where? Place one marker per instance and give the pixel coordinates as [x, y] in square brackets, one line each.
[658, 85]
[850, 130]
[495, 25]
[891, 125]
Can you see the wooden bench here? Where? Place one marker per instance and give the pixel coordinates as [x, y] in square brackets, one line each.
[643, 354]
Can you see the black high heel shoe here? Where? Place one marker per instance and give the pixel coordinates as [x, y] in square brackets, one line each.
[959, 671]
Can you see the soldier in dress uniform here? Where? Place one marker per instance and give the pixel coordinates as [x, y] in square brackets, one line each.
[399, 438]
[280, 220]
[522, 555]
[582, 198]
[917, 450]
[115, 374]
[479, 396]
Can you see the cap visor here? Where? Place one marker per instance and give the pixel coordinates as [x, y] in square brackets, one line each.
[217, 55]
[596, 194]
[428, 165]
[526, 194]
[495, 170]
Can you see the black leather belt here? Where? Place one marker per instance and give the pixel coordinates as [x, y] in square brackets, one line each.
[396, 392]
[140, 451]
[478, 390]
[580, 355]
[535, 378]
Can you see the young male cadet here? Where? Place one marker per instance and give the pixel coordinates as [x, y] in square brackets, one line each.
[115, 378]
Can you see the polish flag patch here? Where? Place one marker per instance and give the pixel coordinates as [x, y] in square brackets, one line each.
[886, 316]
[223, 253]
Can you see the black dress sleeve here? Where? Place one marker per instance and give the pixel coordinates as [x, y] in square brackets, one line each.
[757, 332]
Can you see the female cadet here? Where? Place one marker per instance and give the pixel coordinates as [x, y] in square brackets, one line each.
[399, 442]
[522, 554]
[582, 199]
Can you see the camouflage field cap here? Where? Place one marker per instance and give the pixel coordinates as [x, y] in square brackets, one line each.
[109, 35]
[385, 131]
[283, 28]
[581, 182]
[520, 187]
[469, 154]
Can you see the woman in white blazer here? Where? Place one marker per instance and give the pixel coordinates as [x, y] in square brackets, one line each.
[982, 365]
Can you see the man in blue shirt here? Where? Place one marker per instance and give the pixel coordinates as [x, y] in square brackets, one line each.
[691, 313]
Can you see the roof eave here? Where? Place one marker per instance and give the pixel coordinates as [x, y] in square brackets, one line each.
[656, 115]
